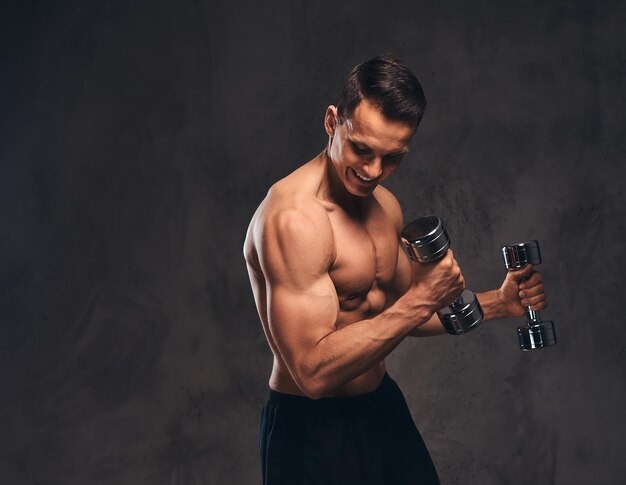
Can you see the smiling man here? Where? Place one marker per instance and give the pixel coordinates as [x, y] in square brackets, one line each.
[336, 294]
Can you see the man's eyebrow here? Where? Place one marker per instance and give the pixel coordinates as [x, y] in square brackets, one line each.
[360, 143]
[402, 151]
[365, 146]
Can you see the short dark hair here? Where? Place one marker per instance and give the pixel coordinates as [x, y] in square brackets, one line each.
[389, 85]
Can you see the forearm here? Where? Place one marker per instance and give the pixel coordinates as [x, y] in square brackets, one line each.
[491, 303]
[351, 351]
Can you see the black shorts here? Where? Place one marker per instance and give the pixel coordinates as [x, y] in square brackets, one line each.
[369, 439]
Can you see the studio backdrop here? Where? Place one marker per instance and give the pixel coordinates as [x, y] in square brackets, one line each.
[137, 139]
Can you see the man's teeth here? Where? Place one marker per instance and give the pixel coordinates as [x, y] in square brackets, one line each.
[362, 177]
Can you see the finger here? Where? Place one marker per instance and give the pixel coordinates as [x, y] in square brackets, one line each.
[534, 279]
[523, 273]
[447, 261]
[535, 300]
[539, 306]
[461, 282]
[530, 292]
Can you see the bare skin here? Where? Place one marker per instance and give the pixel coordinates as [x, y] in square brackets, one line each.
[334, 290]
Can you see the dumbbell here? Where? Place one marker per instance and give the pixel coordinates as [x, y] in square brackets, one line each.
[426, 240]
[535, 334]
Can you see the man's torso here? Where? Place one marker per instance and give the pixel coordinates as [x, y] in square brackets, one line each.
[369, 271]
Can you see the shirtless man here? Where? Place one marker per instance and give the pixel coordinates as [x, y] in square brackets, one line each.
[336, 293]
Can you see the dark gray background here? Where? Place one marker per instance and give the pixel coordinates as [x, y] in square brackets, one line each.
[137, 138]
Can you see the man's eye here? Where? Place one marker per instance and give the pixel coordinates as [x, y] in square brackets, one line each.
[394, 158]
[361, 151]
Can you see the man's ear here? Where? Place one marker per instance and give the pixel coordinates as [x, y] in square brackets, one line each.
[331, 120]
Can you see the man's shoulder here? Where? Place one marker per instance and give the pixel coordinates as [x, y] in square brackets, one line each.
[284, 200]
[389, 204]
[291, 231]
[385, 196]
[288, 213]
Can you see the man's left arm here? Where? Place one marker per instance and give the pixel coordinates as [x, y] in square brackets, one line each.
[510, 300]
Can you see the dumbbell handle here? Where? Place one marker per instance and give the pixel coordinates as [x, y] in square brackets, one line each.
[536, 333]
[532, 315]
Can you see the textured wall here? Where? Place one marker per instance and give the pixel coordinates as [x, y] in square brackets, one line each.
[137, 140]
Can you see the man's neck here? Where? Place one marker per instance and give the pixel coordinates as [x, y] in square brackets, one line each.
[335, 192]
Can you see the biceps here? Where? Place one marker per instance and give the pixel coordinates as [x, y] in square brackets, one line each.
[298, 320]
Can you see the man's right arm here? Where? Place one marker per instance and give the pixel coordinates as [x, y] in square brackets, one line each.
[296, 250]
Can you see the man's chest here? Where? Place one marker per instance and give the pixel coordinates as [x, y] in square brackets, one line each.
[365, 271]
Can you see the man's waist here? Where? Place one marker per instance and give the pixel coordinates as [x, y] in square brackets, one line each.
[374, 397]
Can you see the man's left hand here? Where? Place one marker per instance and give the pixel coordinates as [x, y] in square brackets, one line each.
[517, 293]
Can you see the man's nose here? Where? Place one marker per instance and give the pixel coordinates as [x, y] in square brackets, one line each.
[374, 167]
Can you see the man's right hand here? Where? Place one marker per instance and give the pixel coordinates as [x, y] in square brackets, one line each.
[436, 284]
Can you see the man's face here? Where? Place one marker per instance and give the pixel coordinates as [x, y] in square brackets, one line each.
[367, 148]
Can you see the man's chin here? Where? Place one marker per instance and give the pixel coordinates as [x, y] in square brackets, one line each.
[355, 186]
[362, 191]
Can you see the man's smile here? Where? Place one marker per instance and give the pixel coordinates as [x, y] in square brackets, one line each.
[363, 177]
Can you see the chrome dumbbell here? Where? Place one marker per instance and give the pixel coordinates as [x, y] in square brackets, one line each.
[426, 240]
[535, 334]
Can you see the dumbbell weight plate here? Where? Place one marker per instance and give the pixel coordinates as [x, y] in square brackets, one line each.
[536, 336]
[519, 255]
[426, 239]
[463, 315]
